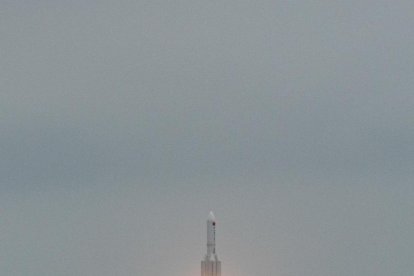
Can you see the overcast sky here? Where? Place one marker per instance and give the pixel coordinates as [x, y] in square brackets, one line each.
[123, 123]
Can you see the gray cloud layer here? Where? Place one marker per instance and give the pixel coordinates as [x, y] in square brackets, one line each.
[123, 124]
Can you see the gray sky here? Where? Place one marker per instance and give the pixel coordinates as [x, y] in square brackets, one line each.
[122, 123]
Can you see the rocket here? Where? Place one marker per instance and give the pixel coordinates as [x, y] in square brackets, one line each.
[211, 266]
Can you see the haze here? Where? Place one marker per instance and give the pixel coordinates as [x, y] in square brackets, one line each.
[123, 123]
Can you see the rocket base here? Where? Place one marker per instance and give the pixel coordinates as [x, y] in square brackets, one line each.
[211, 268]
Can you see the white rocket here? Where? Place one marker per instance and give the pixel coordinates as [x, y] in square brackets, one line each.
[211, 266]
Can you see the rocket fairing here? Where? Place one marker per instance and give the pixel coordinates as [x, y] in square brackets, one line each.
[211, 266]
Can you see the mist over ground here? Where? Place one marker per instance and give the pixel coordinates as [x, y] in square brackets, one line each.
[122, 124]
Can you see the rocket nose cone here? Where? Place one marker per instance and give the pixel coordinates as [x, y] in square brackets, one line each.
[211, 217]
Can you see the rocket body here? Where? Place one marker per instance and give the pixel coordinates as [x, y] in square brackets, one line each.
[211, 235]
[211, 266]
